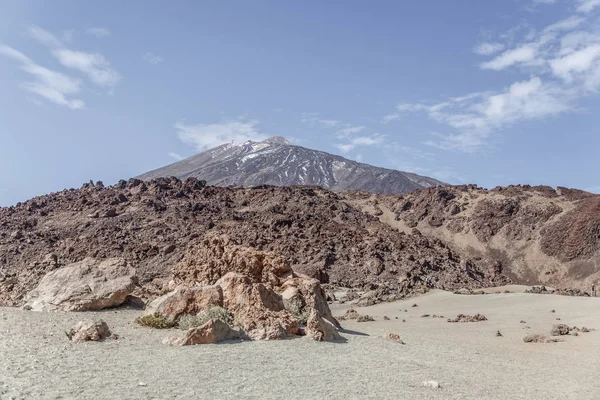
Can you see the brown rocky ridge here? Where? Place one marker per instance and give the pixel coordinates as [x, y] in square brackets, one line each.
[160, 229]
[539, 235]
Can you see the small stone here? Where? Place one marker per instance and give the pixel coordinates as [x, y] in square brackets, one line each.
[498, 334]
[415, 305]
[142, 384]
[385, 317]
[552, 311]
[394, 337]
[431, 384]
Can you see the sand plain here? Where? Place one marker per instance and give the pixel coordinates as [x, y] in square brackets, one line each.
[467, 359]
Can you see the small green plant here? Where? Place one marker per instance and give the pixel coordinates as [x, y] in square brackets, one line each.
[365, 318]
[155, 320]
[295, 307]
[188, 321]
[70, 334]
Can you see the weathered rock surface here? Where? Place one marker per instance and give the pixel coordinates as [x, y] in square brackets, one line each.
[184, 300]
[89, 330]
[321, 329]
[258, 310]
[84, 286]
[213, 331]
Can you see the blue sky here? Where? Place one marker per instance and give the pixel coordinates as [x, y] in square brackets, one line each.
[486, 92]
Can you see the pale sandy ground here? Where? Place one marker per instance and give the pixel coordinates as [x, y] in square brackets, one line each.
[468, 360]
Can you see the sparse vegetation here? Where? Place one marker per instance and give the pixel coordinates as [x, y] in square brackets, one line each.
[537, 338]
[350, 314]
[468, 318]
[365, 318]
[297, 309]
[155, 320]
[188, 321]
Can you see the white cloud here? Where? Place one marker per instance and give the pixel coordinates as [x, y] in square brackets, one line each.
[44, 37]
[94, 65]
[176, 156]
[486, 48]
[586, 6]
[206, 136]
[350, 130]
[345, 148]
[330, 122]
[51, 85]
[98, 32]
[562, 63]
[476, 116]
[567, 24]
[152, 58]
[576, 62]
[390, 117]
[511, 57]
[373, 140]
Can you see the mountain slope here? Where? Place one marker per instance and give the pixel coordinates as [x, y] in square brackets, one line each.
[537, 233]
[276, 161]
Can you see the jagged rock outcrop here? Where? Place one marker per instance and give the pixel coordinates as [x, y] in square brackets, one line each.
[251, 285]
[88, 285]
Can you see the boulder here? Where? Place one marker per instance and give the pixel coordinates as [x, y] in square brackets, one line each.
[185, 301]
[87, 285]
[87, 330]
[321, 329]
[213, 331]
[256, 308]
[308, 291]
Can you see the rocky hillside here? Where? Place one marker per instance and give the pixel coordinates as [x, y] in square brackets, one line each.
[160, 226]
[539, 234]
[276, 161]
